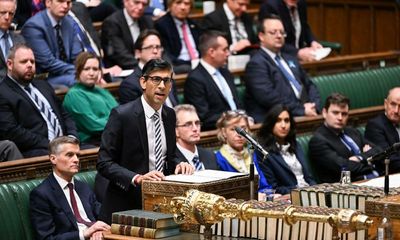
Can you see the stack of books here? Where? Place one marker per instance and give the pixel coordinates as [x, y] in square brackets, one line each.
[145, 224]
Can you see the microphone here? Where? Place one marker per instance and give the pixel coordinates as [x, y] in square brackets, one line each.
[252, 141]
[386, 153]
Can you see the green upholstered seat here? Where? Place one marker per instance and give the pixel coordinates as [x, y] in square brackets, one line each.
[364, 88]
[14, 202]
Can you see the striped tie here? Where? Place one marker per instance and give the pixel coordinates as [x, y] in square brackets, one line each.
[197, 164]
[50, 115]
[158, 145]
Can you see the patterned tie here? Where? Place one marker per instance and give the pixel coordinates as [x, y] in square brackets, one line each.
[238, 35]
[225, 90]
[191, 50]
[48, 112]
[78, 217]
[6, 44]
[350, 143]
[84, 38]
[287, 75]
[158, 4]
[158, 145]
[198, 165]
[60, 43]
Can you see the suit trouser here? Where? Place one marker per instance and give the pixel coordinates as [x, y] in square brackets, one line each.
[9, 151]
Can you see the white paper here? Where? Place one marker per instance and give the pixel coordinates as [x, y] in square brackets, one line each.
[321, 53]
[394, 181]
[125, 73]
[203, 176]
[238, 62]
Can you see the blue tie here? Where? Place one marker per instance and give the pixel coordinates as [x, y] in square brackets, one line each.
[6, 45]
[225, 90]
[198, 165]
[350, 143]
[288, 76]
[82, 37]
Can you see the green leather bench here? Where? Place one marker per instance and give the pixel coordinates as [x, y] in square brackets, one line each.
[14, 202]
[364, 88]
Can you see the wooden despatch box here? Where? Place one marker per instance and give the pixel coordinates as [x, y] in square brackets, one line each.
[374, 208]
[155, 192]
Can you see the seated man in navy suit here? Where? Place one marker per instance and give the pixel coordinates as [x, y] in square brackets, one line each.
[187, 131]
[210, 86]
[50, 34]
[179, 35]
[62, 207]
[384, 130]
[273, 77]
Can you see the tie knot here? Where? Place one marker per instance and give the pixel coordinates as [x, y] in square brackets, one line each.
[5, 35]
[156, 116]
[27, 88]
[57, 26]
[70, 186]
[277, 57]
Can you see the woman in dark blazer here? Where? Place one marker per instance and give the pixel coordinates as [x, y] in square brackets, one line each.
[285, 167]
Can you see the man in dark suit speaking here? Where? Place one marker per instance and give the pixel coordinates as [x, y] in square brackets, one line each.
[62, 207]
[138, 142]
[30, 113]
[273, 77]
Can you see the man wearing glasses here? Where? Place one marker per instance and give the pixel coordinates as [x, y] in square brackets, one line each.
[148, 46]
[187, 130]
[139, 143]
[273, 77]
[120, 32]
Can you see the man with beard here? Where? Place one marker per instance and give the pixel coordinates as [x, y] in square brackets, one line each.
[30, 113]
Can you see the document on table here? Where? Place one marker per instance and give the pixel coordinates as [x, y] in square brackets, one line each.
[203, 176]
[394, 181]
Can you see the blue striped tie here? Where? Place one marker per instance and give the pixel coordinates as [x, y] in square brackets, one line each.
[197, 164]
[48, 112]
[287, 75]
[158, 145]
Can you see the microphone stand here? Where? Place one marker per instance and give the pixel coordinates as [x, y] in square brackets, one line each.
[251, 170]
[386, 186]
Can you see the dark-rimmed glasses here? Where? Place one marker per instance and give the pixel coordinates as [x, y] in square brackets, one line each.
[157, 80]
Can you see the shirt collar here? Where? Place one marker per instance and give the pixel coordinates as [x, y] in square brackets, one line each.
[148, 110]
[61, 181]
[186, 153]
[129, 19]
[210, 69]
[269, 52]
[228, 12]
[53, 21]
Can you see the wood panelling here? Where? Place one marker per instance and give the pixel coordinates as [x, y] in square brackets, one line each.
[361, 26]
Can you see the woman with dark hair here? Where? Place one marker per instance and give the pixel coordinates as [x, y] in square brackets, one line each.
[234, 155]
[285, 167]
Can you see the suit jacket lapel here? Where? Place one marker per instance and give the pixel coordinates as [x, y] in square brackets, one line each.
[212, 83]
[225, 25]
[50, 32]
[21, 92]
[83, 196]
[141, 120]
[62, 200]
[127, 36]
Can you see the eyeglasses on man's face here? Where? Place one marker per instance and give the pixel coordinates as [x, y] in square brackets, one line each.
[156, 80]
[153, 47]
[276, 32]
[190, 124]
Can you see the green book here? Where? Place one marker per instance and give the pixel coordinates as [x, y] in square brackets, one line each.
[143, 232]
[146, 219]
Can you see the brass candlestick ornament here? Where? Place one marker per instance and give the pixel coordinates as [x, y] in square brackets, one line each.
[198, 207]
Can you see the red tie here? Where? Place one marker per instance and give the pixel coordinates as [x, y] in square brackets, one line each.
[78, 217]
[192, 52]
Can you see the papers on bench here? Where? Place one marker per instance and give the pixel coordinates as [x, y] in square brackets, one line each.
[322, 53]
[203, 176]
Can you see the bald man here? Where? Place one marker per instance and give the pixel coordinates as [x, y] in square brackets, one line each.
[384, 130]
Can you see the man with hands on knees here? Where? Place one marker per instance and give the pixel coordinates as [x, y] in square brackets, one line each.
[62, 207]
[138, 142]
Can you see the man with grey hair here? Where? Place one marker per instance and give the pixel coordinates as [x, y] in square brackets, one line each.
[187, 131]
[7, 37]
[61, 206]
